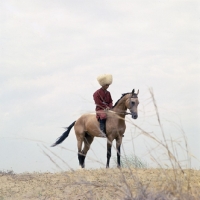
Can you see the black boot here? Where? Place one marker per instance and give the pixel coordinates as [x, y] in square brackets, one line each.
[103, 125]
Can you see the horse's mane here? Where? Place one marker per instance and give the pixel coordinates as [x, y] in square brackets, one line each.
[120, 98]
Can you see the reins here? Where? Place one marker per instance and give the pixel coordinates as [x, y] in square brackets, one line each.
[132, 96]
[125, 113]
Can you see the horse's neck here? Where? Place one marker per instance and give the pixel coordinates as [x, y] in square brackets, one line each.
[120, 108]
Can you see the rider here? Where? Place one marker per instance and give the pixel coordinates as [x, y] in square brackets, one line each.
[103, 100]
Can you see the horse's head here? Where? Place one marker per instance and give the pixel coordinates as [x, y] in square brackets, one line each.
[132, 104]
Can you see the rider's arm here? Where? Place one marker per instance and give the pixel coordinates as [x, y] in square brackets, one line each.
[98, 101]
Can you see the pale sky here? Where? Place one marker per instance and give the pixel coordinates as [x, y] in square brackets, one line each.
[51, 53]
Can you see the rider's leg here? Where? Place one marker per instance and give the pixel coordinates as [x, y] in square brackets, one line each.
[103, 125]
[101, 116]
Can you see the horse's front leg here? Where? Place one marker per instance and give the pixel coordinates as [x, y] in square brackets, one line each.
[109, 146]
[118, 145]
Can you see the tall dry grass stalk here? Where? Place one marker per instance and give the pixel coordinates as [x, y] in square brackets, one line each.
[173, 182]
[143, 182]
[179, 182]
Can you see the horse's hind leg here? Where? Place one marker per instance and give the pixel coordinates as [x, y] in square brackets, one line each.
[80, 155]
[87, 142]
[80, 135]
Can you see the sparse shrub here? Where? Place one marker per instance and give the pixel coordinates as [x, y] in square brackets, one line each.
[132, 161]
[8, 172]
[134, 181]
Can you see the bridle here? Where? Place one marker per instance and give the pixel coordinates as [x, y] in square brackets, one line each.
[134, 95]
[126, 113]
[123, 113]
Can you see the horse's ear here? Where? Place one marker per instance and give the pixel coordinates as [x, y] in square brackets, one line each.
[137, 92]
[133, 91]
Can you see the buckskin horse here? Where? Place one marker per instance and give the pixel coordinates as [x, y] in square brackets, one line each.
[87, 127]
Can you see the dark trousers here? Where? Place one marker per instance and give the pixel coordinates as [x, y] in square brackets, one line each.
[102, 123]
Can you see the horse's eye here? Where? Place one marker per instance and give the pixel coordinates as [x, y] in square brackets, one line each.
[133, 103]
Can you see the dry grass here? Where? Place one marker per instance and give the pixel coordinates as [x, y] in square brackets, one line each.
[102, 184]
[174, 183]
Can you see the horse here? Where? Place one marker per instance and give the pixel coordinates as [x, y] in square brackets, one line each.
[87, 127]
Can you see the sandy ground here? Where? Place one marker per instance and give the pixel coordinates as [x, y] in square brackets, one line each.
[99, 184]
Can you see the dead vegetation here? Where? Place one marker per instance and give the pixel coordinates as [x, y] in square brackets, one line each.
[106, 184]
[172, 182]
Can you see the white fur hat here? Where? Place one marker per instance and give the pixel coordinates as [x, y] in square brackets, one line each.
[105, 79]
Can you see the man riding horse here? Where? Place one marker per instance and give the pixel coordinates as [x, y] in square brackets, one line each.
[86, 127]
[103, 100]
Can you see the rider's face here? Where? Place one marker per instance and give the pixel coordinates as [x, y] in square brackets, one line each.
[105, 87]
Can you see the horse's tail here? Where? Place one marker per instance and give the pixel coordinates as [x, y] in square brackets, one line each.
[64, 135]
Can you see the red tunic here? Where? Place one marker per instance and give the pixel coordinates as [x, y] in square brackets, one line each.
[102, 99]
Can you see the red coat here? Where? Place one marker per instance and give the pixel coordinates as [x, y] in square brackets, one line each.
[102, 99]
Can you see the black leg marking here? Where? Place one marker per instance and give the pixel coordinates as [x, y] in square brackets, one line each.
[118, 157]
[108, 155]
[81, 159]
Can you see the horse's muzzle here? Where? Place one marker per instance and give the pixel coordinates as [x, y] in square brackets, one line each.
[134, 115]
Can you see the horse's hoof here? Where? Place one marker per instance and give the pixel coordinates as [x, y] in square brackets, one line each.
[81, 168]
